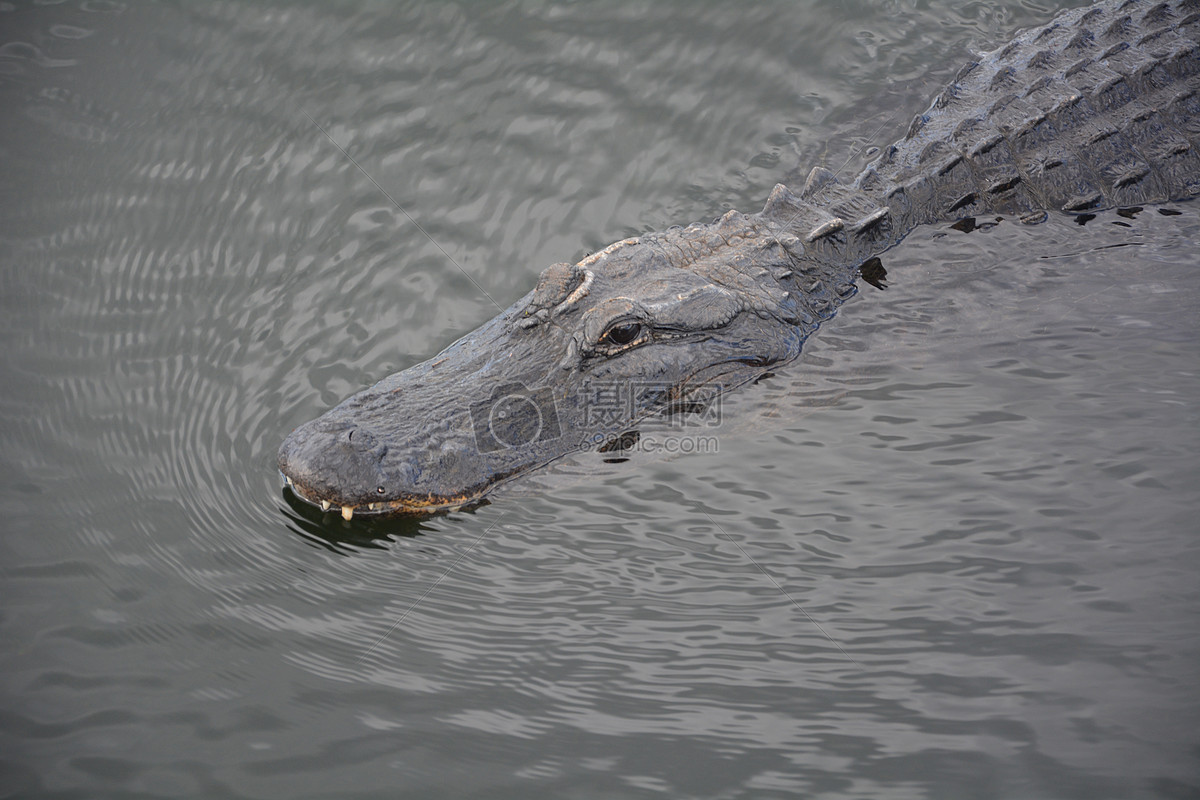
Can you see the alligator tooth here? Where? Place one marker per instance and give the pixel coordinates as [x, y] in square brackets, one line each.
[347, 513]
[372, 506]
[289, 480]
[324, 505]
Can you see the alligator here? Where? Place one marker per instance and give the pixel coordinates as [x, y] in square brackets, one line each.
[1096, 109]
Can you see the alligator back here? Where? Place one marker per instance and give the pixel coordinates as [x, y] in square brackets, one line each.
[1096, 109]
[1099, 108]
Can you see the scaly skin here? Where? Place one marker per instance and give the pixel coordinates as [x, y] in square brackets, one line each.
[1096, 109]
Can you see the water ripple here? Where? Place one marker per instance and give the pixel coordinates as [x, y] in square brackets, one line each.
[946, 551]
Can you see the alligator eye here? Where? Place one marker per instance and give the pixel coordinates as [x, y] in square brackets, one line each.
[623, 334]
[380, 489]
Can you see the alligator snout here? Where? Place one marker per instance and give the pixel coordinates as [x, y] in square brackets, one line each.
[323, 457]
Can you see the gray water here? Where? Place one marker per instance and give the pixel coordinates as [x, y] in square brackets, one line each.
[949, 553]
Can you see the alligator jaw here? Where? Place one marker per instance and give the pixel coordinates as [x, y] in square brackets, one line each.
[409, 506]
[303, 468]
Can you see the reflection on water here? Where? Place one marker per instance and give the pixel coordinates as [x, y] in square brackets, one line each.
[364, 531]
[979, 484]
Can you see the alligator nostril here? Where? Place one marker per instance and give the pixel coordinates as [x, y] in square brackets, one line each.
[360, 440]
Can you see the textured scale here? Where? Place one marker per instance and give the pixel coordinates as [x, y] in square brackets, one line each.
[1080, 115]
[1097, 109]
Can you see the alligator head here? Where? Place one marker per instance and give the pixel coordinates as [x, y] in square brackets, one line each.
[593, 348]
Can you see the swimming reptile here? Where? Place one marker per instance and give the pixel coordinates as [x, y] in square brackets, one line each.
[1097, 109]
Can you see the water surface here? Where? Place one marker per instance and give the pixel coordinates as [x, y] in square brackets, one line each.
[949, 553]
